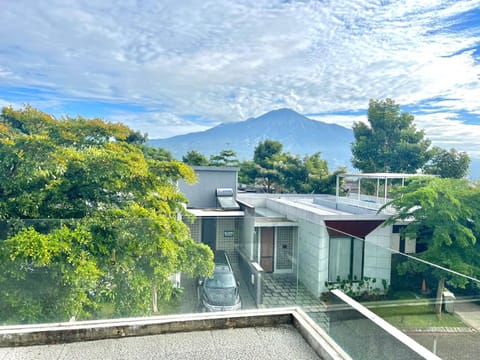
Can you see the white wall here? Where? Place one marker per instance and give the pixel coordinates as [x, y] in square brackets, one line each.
[312, 245]
[377, 257]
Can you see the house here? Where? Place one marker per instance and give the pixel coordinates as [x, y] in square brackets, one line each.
[217, 215]
[319, 239]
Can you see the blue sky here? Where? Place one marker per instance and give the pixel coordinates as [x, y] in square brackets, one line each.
[172, 67]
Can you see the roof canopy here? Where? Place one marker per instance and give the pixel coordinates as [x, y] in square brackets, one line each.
[380, 175]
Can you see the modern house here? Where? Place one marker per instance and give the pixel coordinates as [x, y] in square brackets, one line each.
[319, 239]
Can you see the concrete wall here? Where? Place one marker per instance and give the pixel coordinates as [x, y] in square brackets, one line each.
[377, 257]
[247, 227]
[201, 195]
[228, 236]
[312, 245]
[312, 255]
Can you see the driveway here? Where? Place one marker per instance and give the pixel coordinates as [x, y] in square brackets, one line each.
[469, 312]
[189, 296]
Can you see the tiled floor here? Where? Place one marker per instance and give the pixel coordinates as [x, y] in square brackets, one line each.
[285, 290]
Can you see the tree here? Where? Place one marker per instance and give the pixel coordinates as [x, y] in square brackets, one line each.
[125, 239]
[194, 158]
[159, 154]
[448, 163]
[390, 142]
[225, 158]
[265, 152]
[292, 173]
[443, 215]
[276, 171]
[248, 172]
[47, 277]
[320, 180]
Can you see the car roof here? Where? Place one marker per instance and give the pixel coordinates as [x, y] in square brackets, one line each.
[222, 269]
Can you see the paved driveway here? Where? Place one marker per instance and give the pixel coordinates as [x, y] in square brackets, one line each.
[189, 296]
[469, 312]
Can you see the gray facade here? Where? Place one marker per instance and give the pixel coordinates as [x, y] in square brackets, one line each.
[289, 234]
[213, 225]
[202, 194]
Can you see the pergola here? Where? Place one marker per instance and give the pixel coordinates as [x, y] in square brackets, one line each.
[380, 177]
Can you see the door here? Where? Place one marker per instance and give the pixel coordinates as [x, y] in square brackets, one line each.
[209, 232]
[266, 249]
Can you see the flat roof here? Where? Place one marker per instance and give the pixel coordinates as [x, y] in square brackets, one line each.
[279, 342]
[215, 212]
[217, 168]
[284, 333]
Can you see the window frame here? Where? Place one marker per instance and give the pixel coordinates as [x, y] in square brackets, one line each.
[352, 253]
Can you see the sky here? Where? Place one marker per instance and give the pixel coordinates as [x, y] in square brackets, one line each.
[167, 68]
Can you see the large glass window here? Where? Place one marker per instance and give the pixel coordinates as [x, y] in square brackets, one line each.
[345, 259]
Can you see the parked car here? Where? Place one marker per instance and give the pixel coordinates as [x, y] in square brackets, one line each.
[221, 291]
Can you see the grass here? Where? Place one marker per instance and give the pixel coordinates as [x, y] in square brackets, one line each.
[420, 315]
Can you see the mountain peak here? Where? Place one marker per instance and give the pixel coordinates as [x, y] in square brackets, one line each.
[283, 113]
[299, 135]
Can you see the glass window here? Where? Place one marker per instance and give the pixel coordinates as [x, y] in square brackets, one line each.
[345, 259]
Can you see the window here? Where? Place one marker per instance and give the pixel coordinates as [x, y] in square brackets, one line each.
[345, 259]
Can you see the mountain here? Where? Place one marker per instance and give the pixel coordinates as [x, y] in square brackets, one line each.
[298, 134]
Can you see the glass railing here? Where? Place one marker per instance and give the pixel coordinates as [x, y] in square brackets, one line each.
[70, 270]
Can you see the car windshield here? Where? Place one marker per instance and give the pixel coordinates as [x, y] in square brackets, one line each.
[221, 280]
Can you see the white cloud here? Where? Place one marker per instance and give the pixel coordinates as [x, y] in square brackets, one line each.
[343, 120]
[448, 131]
[227, 61]
[159, 124]
[445, 130]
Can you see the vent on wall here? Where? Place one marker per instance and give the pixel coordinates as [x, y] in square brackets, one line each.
[226, 200]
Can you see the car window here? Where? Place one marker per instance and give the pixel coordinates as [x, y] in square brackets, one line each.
[221, 280]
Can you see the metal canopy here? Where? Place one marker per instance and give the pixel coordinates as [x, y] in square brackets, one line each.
[384, 177]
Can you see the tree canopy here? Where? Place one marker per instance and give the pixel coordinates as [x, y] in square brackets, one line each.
[89, 216]
[195, 158]
[273, 170]
[389, 142]
[448, 163]
[444, 217]
[224, 158]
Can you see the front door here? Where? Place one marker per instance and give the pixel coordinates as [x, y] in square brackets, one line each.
[209, 232]
[266, 249]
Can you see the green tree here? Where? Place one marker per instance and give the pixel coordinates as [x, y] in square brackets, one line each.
[320, 180]
[159, 154]
[248, 172]
[390, 141]
[266, 154]
[195, 158]
[273, 170]
[265, 151]
[47, 277]
[224, 158]
[448, 163]
[443, 215]
[126, 239]
[293, 174]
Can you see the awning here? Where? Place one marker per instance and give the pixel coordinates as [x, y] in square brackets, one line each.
[355, 228]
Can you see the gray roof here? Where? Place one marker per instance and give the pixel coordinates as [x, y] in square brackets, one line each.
[279, 342]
